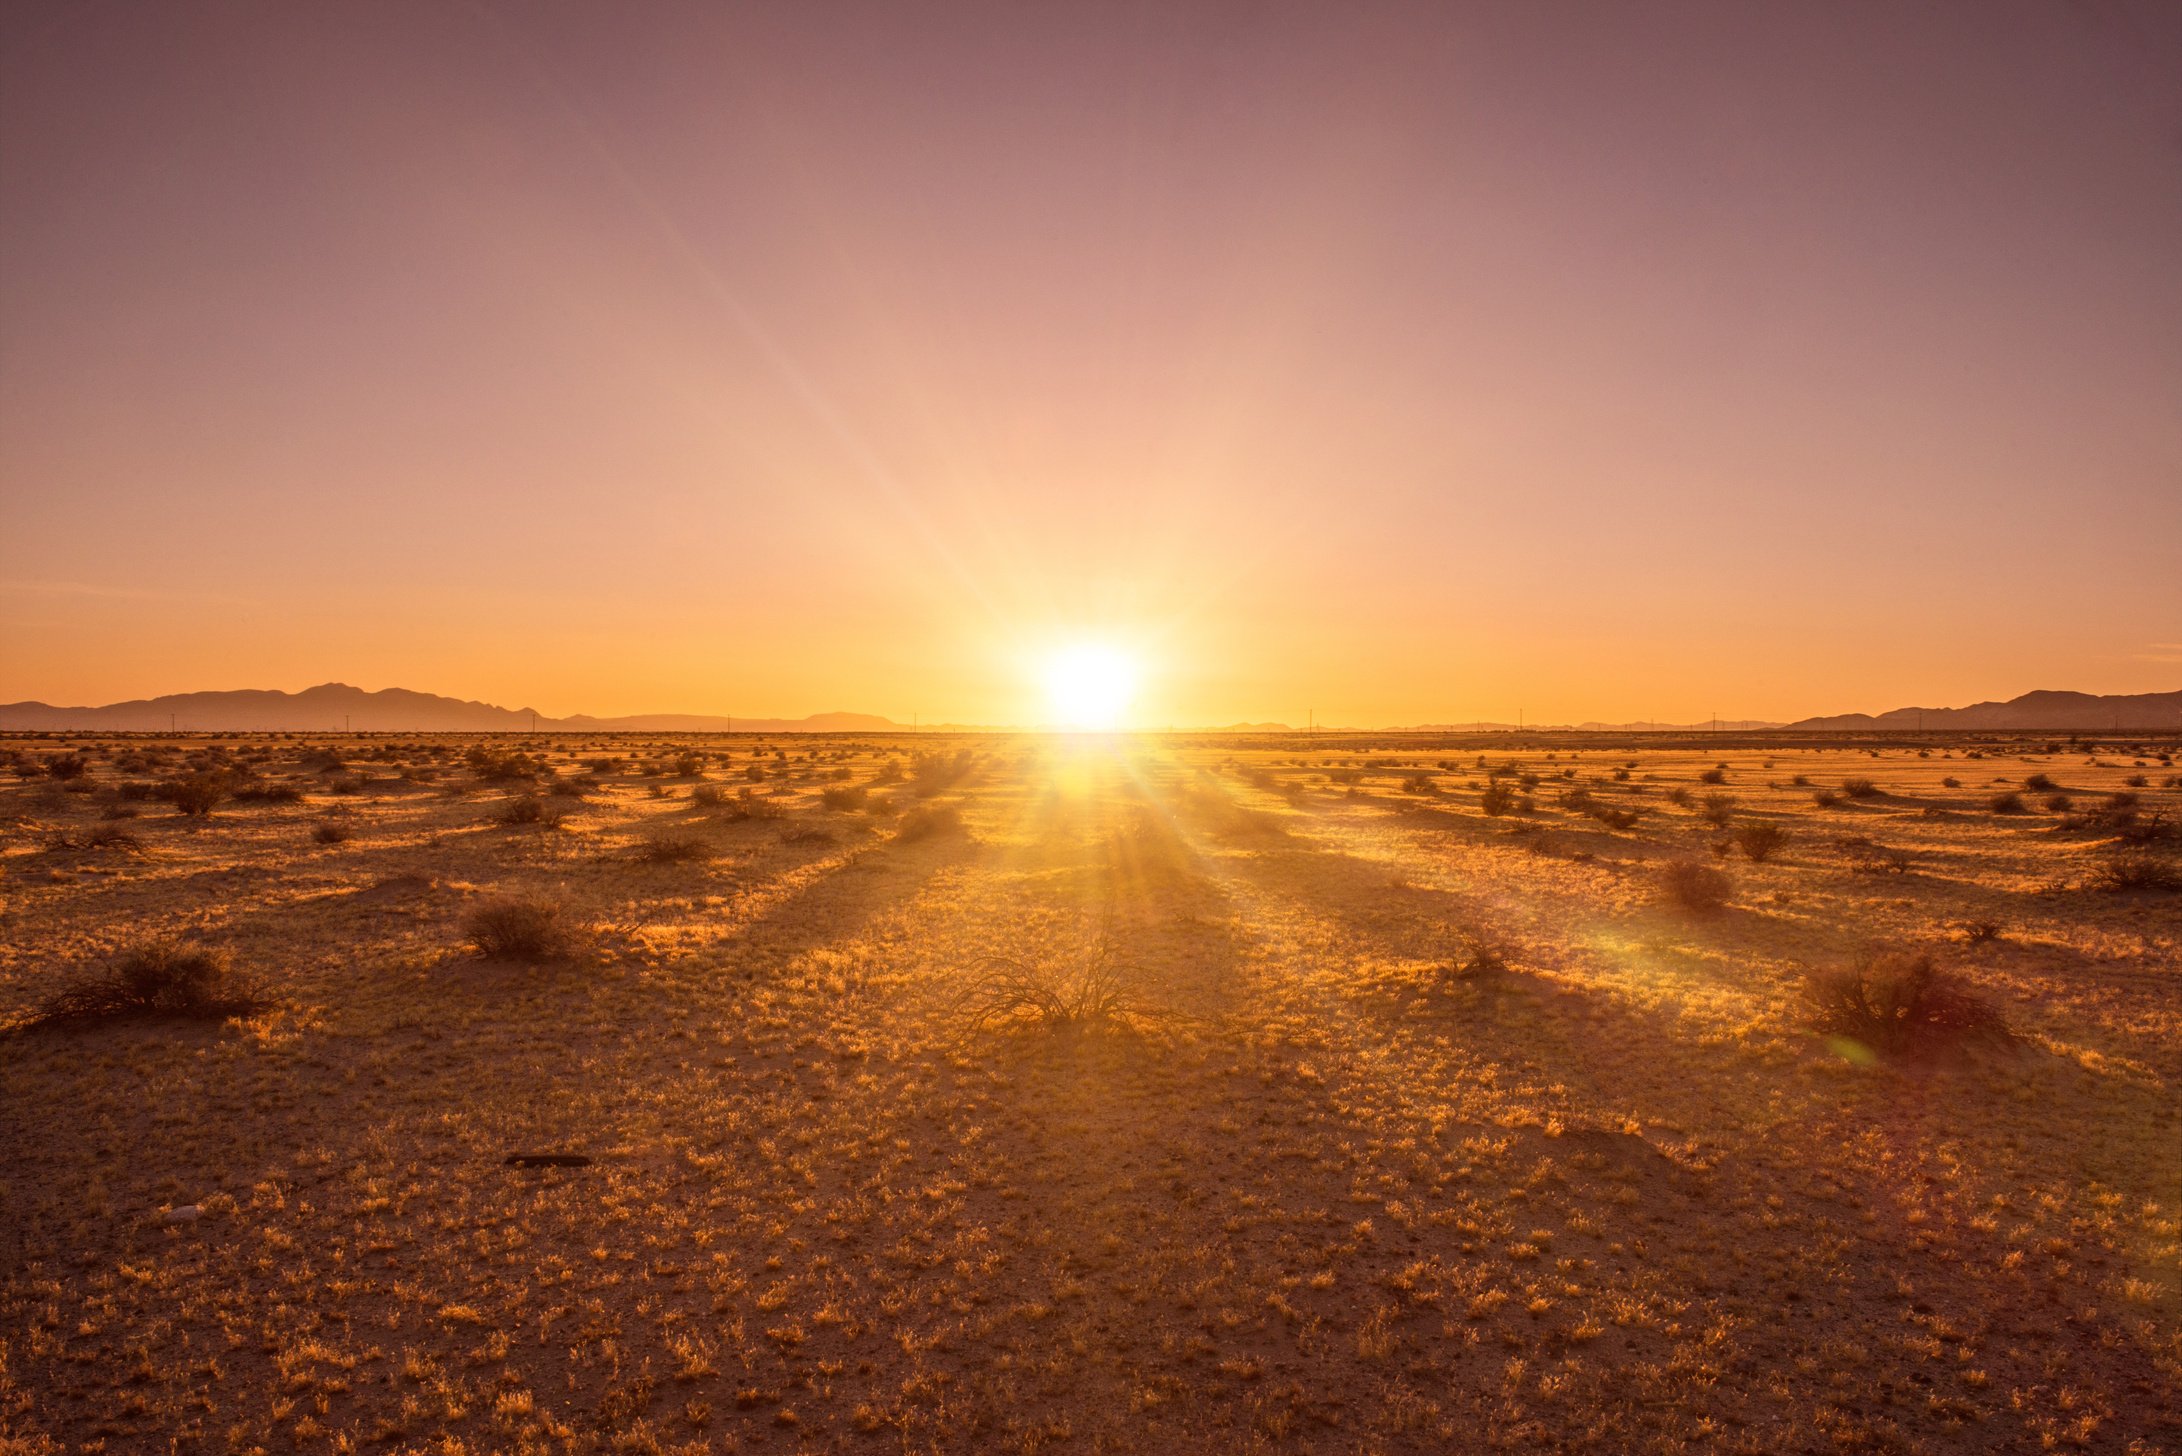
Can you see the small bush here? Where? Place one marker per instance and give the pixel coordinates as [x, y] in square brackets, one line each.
[197, 795]
[527, 809]
[688, 765]
[263, 793]
[1760, 841]
[1713, 776]
[331, 831]
[1718, 810]
[163, 978]
[2010, 802]
[518, 930]
[928, 822]
[1825, 798]
[850, 798]
[1901, 1005]
[66, 767]
[1497, 799]
[675, 847]
[1860, 788]
[2059, 803]
[2136, 869]
[1694, 886]
[2039, 783]
[708, 796]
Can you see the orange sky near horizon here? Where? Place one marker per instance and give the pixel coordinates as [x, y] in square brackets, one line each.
[1402, 363]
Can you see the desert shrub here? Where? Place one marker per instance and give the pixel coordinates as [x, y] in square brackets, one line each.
[708, 796]
[1718, 810]
[2010, 802]
[256, 792]
[849, 798]
[107, 836]
[1825, 798]
[807, 834]
[162, 978]
[2136, 781]
[1950, 783]
[675, 847]
[1978, 932]
[196, 795]
[1613, 818]
[755, 806]
[1417, 783]
[1860, 788]
[688, 765]
[2136, 869]
[518, 930]
[568, 788]
[1694, 886]
[1497, 799]
[929, 822]
[529, 809]
[1901, 1005]
[2059, 803]
[501, 766]
[935, 773]
[1679, 797]
[1760, 841]
[331, 831]
[1713, 776]
[66, 766]
[2039, 783]
[1801, 781]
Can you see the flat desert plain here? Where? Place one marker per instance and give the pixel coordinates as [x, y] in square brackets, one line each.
[1163, 1094]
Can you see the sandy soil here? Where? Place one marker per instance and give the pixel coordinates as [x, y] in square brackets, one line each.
[1263, 1154]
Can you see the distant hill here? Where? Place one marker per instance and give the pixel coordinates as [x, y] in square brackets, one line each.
[2032, 712]
[332, 706]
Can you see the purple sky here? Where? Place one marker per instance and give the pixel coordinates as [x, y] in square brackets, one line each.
[1407, 363]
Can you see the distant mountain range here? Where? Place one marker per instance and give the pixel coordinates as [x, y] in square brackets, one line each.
[335, 706]
[2083, 712]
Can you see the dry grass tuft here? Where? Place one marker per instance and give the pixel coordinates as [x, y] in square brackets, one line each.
[675, 847]
[1004, 991]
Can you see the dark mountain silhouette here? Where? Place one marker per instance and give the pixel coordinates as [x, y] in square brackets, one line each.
[331, 706]
[2032, 712]
[390, 710]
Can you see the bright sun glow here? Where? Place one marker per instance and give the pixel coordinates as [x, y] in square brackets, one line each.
[1089, 686]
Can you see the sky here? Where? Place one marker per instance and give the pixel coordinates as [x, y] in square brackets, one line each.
[1382, 363]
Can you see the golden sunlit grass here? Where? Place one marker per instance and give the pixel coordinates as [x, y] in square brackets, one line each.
[1036, 1094]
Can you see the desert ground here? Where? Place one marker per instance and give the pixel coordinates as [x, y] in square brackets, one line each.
[986, 1093]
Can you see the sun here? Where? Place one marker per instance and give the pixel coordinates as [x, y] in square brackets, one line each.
[1090, 686]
